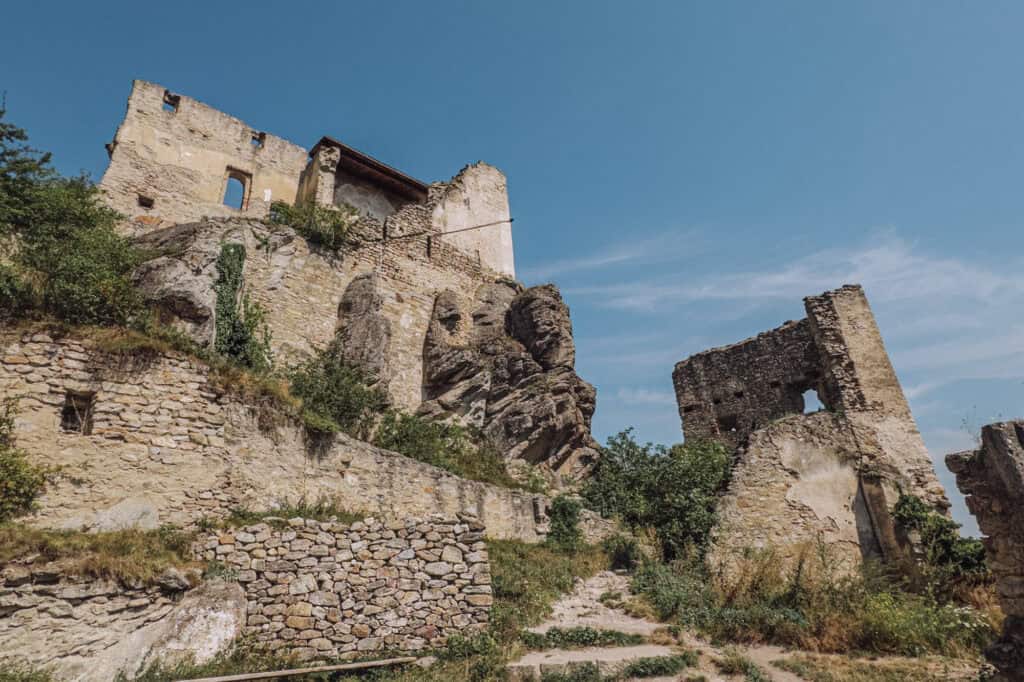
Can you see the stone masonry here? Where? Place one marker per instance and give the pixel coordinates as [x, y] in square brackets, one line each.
[159, 439]
[834, 475]
[173, 158]
[330, 590]
[992, 477]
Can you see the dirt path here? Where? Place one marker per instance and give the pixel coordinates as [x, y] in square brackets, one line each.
[583, 608]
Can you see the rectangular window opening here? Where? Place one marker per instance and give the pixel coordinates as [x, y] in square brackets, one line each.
[171, 101]
[236, 189]
[76, 416]
[258, 139]
[146, 202]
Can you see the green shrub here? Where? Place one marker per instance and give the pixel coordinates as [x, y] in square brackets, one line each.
[67, 258]
[578, 638]
[21, 482]
[460, 450]
[335, 395]
[565, 533]
[623, 552]
[321, 225]
[671, 490]
[949, 560]
[242, 334]
[735, 663]
[17, 298]
[660, 666]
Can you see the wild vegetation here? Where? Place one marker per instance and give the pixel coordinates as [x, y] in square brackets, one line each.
[131, 555]
[670, 491]
[327, 227]
[21, 481]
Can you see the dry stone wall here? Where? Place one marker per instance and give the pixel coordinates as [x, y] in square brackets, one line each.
[167, 445]
[321, 589]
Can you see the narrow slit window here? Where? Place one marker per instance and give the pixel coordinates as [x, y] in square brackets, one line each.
[76, 416]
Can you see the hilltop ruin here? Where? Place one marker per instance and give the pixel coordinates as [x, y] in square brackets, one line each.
[833, 474]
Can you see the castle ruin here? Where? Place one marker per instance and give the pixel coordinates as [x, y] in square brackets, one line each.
[833, 474]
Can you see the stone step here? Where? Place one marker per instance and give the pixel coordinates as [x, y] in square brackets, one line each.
[609, 660]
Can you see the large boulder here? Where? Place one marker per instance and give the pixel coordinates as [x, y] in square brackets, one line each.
[503, 362]
[364, 332]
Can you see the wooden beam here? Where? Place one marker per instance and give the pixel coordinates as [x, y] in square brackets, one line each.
[300, 671]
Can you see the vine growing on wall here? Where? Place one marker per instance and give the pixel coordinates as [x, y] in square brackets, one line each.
[241, 329]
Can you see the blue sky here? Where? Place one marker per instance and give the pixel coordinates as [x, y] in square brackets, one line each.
[685, 171]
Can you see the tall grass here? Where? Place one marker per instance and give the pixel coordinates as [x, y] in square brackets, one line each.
[811, 604]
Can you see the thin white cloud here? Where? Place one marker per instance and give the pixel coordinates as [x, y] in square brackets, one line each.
[645, 396]
[657, 249]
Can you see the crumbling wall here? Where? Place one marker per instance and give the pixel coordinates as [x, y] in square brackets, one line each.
[478, 195]
[321, 589]
[172, 156]
[168, 446]
[864, 452]
[88, 630]
[992, 478]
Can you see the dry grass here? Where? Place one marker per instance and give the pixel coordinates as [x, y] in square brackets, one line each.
[817, 668]
[126, 555]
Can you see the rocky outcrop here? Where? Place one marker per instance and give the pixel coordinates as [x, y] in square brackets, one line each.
[364, 332]
[89, 630]
[992, 477]
[503, 362]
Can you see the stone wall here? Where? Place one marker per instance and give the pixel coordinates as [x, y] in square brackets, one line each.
[332, 590]
[172, 157]
[992, 478]
[178, 153]
[87, 630]
[833, 476]
[167, 445]
[301, 287]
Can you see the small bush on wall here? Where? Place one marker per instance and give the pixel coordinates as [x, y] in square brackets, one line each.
[21, 482]
[325, 226]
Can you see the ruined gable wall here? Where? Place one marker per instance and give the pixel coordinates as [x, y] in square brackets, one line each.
[180, 160]
[168, 447]
[478, 195]
[865, 453]
[726, 393]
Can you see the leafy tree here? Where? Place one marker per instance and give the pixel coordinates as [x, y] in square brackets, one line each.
[671, 490]
[66, 257]
[565, 533]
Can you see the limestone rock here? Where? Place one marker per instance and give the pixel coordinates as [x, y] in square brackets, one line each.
[364, 332]
[132, 512]
[503, 362]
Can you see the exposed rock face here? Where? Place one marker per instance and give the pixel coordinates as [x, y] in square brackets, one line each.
[363, 331]
[503, 362]
[992, 477]
[90, 630]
